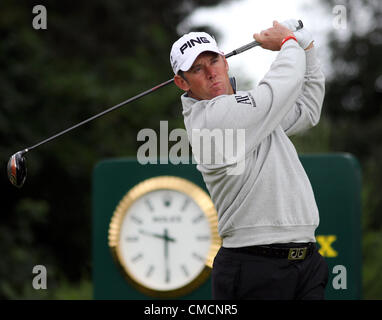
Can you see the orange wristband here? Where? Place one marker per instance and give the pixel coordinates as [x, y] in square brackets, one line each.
[288, 38]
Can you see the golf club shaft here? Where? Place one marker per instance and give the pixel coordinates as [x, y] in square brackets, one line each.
[243, 48]
[163, 84]
[255, 44]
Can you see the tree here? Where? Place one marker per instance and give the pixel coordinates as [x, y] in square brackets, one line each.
[353, 103]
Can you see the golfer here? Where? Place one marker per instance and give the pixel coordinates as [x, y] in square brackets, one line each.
[267, 213]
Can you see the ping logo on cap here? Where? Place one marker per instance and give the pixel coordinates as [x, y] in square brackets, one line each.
[192, 42]
[186, 49]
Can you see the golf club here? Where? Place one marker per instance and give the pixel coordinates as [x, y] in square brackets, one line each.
[16, 167]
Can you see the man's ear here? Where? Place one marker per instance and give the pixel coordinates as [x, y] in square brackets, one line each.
[226, 63]
[181, 83]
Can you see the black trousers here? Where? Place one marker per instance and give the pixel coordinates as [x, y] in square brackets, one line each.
[243, 275]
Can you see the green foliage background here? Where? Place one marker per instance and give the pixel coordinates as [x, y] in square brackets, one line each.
[353, 105]
[96, 54]
[93, 55]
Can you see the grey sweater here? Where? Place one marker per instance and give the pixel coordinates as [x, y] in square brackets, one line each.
[270, 199]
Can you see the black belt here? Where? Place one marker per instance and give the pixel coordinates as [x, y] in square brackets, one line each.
[295, 251]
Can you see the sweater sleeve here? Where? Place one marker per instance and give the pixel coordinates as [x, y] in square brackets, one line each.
[307, 109]
[260, 111]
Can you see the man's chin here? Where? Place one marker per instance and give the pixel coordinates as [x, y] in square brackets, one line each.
[210, 95]
[218, 92]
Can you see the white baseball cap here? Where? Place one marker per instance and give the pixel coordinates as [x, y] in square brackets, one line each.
[186, 49]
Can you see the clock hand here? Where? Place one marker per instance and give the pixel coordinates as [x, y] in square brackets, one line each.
[167, 269]
[157, 235]
[166, 239]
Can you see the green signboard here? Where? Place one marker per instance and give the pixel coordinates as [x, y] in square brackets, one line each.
[336, 181]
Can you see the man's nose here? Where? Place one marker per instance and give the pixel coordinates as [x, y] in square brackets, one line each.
[210, 72]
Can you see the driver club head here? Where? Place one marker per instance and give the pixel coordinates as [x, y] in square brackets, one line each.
[16, 168]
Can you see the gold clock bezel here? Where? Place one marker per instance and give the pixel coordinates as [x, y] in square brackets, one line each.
[182, 185]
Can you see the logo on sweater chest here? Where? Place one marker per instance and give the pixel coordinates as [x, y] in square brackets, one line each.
[245, 99]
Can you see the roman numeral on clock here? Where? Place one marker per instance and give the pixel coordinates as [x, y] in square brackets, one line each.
[167, 198]
[198, 218]
[185, 204]
[203, 238]
[137, 257]
[197, 257]
[132, 238]
[150, 271]
[149, 205]
[136, 220]
[183, 267]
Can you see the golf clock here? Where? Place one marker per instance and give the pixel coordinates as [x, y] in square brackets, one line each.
[163, 235]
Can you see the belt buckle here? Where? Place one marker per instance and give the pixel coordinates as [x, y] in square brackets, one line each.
[297, 253]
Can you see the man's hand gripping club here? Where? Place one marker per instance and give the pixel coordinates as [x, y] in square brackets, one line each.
[272, 38]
